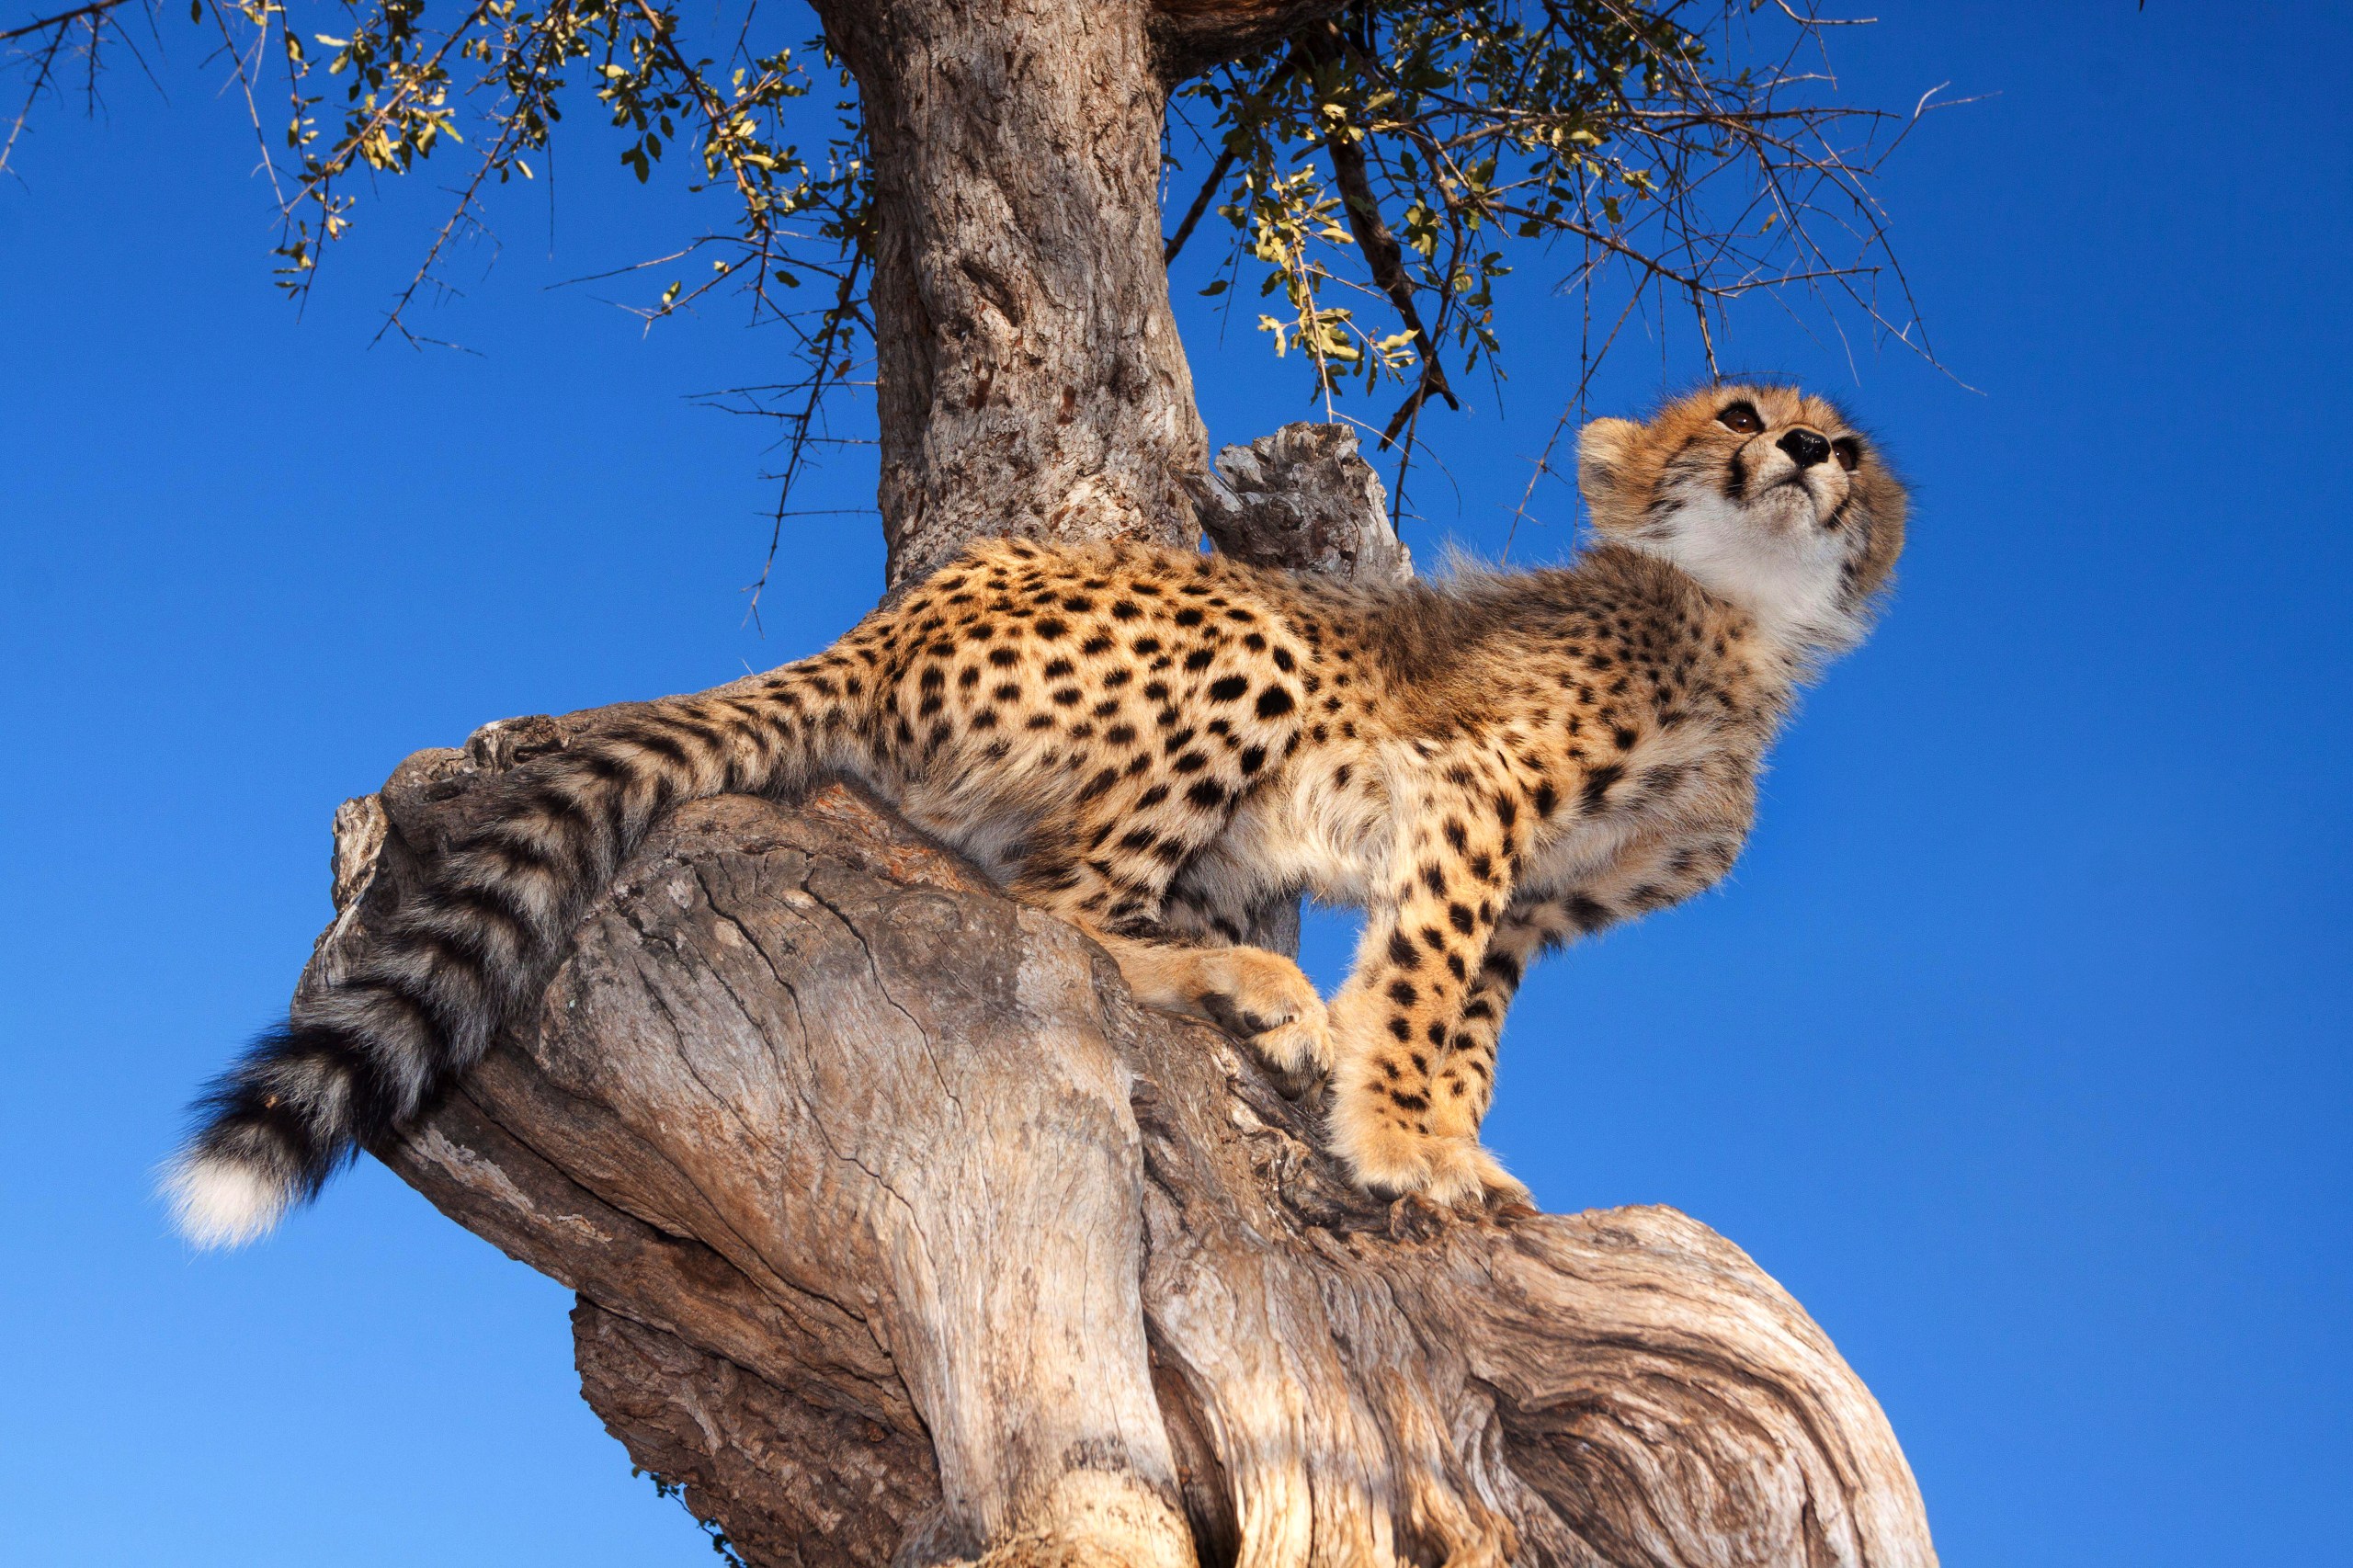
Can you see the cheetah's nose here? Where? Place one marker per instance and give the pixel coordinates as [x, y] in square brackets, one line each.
[1806, 447]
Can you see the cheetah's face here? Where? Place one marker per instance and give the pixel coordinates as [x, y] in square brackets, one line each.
[1766, 496]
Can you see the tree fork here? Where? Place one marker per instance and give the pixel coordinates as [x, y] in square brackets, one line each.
[904, 1237]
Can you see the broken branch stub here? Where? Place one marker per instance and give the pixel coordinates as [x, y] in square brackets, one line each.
[1303, 499]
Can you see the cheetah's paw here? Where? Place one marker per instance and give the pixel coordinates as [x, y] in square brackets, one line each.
[1454, 1173]
[1265, 999]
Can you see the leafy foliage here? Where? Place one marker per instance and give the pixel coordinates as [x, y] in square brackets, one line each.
[1371, 177]
[1381, 173]
[1380, 170]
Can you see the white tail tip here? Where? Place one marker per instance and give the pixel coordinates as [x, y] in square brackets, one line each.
[218, 1202]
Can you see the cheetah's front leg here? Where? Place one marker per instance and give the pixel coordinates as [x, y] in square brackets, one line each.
[1172, 950]
[1447, 1097]
[1398, 1116]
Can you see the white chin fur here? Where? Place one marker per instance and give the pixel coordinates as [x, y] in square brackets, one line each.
[217, 1202]
[1788, 582]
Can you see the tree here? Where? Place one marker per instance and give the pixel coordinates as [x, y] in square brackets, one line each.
[867, 1291]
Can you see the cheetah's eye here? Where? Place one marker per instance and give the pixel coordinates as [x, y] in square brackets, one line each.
[1848, 452]
[1740, 418]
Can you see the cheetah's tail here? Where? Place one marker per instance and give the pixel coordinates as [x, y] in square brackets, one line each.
[476, 941]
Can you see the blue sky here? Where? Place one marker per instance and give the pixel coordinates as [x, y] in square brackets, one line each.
[2016, 1047]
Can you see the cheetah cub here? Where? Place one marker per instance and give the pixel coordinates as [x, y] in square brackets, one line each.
[1150, 745]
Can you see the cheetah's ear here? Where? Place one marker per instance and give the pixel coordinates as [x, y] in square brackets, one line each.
[1604, 453]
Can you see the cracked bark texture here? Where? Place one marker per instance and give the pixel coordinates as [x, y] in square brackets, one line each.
[1030, 377]
[904, 1236]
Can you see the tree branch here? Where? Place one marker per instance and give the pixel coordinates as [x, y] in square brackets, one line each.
[1322, 44]
[1195, 35]
[96, 8]
[1208, 193]
[902, 1236]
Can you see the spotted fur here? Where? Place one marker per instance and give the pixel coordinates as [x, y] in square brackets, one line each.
[1151, 745]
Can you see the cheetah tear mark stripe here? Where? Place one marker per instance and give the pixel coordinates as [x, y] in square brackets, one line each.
[480, 939]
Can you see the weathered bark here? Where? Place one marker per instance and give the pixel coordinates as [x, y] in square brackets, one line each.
[902, 1236]
[1031, 377]
[1302, 499]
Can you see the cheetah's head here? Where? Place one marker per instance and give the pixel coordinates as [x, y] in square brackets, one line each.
[1769, 497]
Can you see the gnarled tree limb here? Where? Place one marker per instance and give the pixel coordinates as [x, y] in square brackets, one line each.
[902, 1236]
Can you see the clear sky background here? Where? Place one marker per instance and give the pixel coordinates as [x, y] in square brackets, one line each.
[2016, 1047]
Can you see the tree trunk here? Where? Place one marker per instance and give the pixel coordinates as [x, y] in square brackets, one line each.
[902, 1234]
[1031, 381]
[1031, 377]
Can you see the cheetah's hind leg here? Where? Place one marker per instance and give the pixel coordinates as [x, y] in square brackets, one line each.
[1258, 997]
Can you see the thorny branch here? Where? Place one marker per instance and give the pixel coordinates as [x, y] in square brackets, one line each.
[89, 23]
[60, 21]
[825, 352]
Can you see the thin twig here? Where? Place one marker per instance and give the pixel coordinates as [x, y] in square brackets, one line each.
[1209, 187]
[95, 8]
